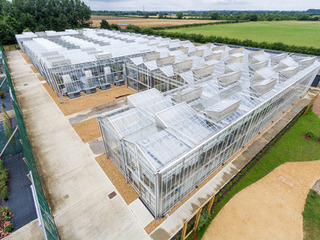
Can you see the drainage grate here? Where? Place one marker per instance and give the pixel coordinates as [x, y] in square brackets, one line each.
[112, 195]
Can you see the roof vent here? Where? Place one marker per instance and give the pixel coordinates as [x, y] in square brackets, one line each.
[183, 66]
[222, 109]
[277, 58]
[307, 62]
[264, 86]
[203, 72]
[166, 61]
[187, 95]
[229, 78]
[236, 50]
[216, 56]
[151, 56]
[198, 53]
[259, 65]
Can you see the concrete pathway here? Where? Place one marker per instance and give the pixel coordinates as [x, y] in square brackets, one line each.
[29, 231]
[270, 208]
[76, 187]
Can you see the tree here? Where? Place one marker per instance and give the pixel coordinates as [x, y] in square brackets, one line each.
[114, 26]
[6, 34]
[40, 28]
[104, 24]
[146, 15]
[179, 15]
[134, 28]
[214, 16]
[160, 16]
[254, 17]
[26, 30]
[304, 17]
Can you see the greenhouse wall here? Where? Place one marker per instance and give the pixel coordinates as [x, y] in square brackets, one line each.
[161, 190]
[188, 172]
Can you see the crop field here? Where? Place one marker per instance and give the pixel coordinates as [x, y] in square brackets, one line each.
[289, 32]
[145, 22]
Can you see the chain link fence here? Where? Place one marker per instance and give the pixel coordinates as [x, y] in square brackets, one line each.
[44, 212]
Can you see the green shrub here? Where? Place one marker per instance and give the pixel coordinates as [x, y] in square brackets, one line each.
[203, 219]
[4, 193]
[310, 134]
[8, 228]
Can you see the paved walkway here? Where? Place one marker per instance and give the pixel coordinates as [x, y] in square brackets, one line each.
[76, 187]
[270, 208]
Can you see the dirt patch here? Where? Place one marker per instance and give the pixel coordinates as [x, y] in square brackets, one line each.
[143, 22]
[88, 130]
[34, 69]
[26, 58]
[270, 208]
[87, 101]
[126, 191]
[41, 78]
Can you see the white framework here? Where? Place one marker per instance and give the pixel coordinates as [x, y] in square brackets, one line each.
[167, 143]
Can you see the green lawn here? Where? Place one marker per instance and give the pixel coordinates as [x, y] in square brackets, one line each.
[292, 147]
[289, 32]
[311, 216]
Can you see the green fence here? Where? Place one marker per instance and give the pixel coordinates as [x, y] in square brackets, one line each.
[47, 221]
[14, 145]
[5, 86]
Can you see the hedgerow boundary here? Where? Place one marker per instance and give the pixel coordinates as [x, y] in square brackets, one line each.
[200, 38]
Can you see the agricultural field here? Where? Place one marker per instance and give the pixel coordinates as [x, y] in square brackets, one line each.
[289, 32]
[145, 22]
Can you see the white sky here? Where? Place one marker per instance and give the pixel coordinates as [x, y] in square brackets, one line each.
[180, 5]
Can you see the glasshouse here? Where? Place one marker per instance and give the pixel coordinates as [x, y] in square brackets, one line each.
[196, 107]
[83, 60]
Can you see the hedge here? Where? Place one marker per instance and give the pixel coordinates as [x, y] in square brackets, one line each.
[199, 38]
[195, 25]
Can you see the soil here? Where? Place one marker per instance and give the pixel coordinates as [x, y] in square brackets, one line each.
[41, 78]
[126, 191]
[270, 208]
[86, 102]
[25, 56]
[88, 130]
[34, 69]
[143, 22]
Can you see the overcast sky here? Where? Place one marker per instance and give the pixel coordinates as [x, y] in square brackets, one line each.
[180, 5]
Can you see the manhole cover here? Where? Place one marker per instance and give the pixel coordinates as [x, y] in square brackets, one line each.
[112, 195]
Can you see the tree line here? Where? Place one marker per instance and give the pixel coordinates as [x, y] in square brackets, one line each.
[279, 46]
[40, 15]
[309, 15]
